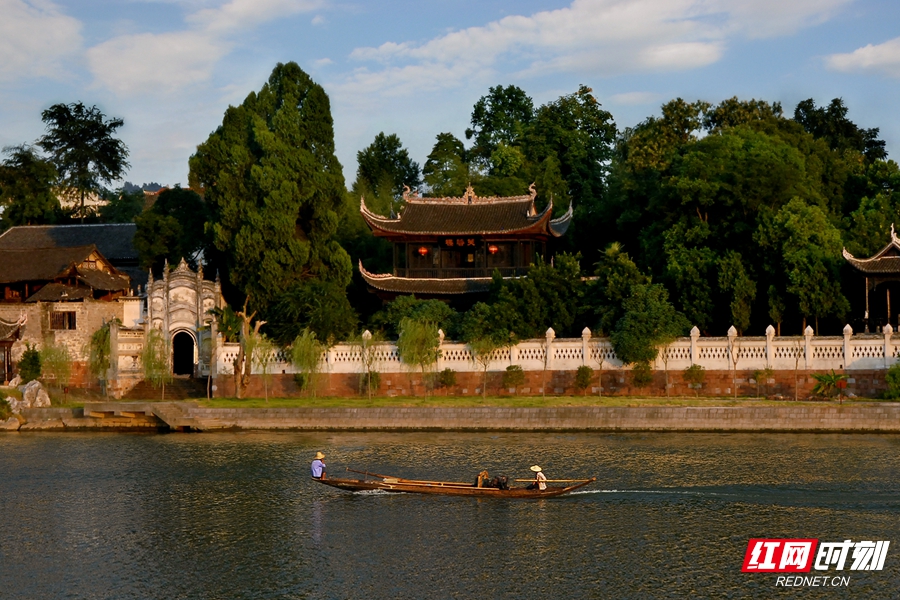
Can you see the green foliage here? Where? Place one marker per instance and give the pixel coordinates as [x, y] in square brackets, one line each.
[275, 191]
[513, 377]
[831, 124]
[763, 376]
[56, 362]
[367, 345]
[418, 344]
[827, 383]
[27, 188]
[446, 171]
[649, 321]
[409, 307]
[447, 378]
[30, 364]
[694, 376]
[384, 167]
[500, 117]
[319, 306]
[99, 354]
[82, 145]
[369, 383]
[228, 323]
[892, 380]
[583, 377]
[5, 409]
[172, 229]
[641, 375]
[261, 357]
[306, 355]
[122, 206]
[155, 359]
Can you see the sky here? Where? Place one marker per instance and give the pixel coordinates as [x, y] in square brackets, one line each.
[170, 68]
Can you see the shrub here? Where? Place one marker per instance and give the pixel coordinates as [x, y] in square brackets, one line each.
[5, 409]
[641, 375]
[892, 379]
[30, 364]
[583, 377]
[513, 377]
[447, 378]
[694, 376]
[369, 383]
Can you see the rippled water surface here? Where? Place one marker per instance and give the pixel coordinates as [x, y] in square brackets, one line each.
[236, 516]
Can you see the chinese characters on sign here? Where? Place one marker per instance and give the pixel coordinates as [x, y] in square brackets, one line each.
[459, 242]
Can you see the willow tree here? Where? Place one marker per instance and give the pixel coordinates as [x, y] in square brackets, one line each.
[274, 189]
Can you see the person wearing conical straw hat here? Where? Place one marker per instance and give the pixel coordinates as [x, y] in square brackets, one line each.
[318, 466]
[540, 480]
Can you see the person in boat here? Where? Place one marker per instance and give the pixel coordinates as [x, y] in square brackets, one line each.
[318, 466]
[540, 480]
[483, 479]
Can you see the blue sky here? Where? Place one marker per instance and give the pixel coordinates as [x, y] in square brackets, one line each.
[169, 68]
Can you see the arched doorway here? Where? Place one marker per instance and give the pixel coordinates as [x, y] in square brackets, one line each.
[183, 354]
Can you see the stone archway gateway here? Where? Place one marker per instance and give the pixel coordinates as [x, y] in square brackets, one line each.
[183, 354]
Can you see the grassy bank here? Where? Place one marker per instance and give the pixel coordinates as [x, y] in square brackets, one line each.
[501, 401]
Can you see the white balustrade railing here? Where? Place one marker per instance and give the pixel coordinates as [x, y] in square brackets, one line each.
[807, 352]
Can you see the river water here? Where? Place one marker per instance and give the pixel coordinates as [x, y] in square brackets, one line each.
[236, 515]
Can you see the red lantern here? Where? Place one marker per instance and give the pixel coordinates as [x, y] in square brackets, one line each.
[423, 250]
[493, 249]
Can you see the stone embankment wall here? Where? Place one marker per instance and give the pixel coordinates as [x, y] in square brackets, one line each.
[863, 383]
[813, 418]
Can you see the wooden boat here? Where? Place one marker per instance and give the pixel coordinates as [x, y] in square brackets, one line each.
[388, 483]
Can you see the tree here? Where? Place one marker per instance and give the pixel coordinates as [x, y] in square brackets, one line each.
[56, 362]
[155, 359]
[583, 377]
[26, 188]
[500, 117]
[649, 321]
[418, 344]
[483, 333]
[122, 206]
[306, 354]
[831, 124]
[694, 376]
[367, 345]
[513, 377]
[402, 307]
[384, 169]
[275, 190]
[82, 146]
[172, 229]
[446, 171]
[262, 358]
[319, 306]
[99, 354]
[827, 383]
[30, 364]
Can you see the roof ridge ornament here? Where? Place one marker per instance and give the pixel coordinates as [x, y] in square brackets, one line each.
[532, 190]
[470, 194]
[894, 236]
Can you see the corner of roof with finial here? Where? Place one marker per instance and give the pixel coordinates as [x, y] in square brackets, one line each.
[405, 192]
[894, 236]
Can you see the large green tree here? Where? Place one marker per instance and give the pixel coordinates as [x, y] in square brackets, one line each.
[446, 171]
[275, 189]
[82, 145]
[384, 168]
[27, 188]
[172, 229]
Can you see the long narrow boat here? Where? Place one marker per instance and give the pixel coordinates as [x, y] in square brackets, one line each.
[388, 483]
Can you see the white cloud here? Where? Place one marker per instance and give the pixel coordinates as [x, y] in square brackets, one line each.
[318, 20]
[35, 38]
[171, 61]
[883, 58]
[322, 62]
[596, 37]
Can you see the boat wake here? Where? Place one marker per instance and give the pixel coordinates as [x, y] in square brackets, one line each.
[372, 493]
[679, 492]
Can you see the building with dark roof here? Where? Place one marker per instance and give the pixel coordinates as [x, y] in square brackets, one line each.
[448, 246]
[881, 272]
[115, 241]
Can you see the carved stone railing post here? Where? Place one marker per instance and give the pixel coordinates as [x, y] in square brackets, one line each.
[440, 359]
[808, 335]
[848, 333]
[770, 346]
[514, 354]
[548, 356]
[585, 346]
[888, 347]
[695, 351]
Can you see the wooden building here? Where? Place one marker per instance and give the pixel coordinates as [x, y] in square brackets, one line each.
[447, 246]
[882, 277]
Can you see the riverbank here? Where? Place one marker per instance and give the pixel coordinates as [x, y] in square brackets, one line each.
[762, 416]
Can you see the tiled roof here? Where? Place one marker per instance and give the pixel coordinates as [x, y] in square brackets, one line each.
[56, 292]
[410, 285]
[113, 240]
[884, 262]
[40, 264]
[101, 280]
[468, 215]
